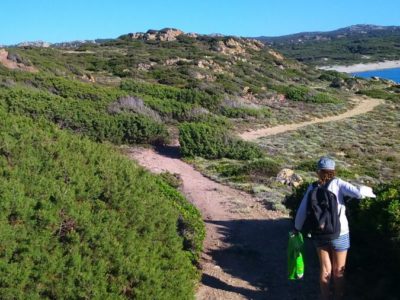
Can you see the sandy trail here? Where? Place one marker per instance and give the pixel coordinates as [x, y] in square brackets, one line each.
[365, 105]
[244, 253]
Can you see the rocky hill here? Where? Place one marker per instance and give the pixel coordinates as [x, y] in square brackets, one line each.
[217, 64]
[357, 43]
[184, 76]
[359, 31]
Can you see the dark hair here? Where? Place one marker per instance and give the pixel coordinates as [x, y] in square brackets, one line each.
[325, 176]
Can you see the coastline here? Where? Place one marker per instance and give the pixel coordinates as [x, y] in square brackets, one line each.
[389, 64]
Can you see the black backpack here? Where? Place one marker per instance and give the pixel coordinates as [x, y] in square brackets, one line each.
[322, 219]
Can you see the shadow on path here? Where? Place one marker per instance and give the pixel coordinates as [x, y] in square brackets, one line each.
[215, 283]
[169, 151]
[257, 254]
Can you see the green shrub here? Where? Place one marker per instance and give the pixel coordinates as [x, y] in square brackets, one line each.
[307, 165]
[375, 232]
[213, 141]
[297, 93]
[171, 93]
[258, 170]
[175, 110]
[292, 201]
[332, 75]
[305, 94]
[323, 98]
[382, 94]
[80, 221]
[375, 225]
[244, 112]
[86, 117]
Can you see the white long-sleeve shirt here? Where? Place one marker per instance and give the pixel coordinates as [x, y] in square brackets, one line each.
[341, 189]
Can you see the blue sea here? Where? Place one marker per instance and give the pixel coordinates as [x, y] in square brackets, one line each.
[392, 74]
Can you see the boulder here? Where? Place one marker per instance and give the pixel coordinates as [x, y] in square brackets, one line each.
[169, 34]
[145, 67]
[192, 35]
[289, 177]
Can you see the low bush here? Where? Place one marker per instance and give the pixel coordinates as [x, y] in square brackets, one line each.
[175, 110]
[132, 104]
[244, 112]
[258, 170]
[295, 93]
[381, 94]
[305, 94]
[86, 117]
[65, 87]
[80, 221]
[172, 93]
[375, 232]
[213, 141]
[332, 75]
[292, 201]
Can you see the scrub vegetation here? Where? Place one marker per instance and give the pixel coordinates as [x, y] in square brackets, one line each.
[81, 221]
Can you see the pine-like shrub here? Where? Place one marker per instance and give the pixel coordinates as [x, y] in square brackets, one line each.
[79, 221]
[375, 258]
[86, 117]
[214, 141]
[164, 92]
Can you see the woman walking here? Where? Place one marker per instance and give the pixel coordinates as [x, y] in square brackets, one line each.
[332, 251]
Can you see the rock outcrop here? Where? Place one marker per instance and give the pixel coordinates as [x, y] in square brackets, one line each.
[37, 44]
[174, 61]
[88, 78]
[209, 64]
[235, 46]
[289, 177]
[145, 67]
[166, 34]
[14, 62]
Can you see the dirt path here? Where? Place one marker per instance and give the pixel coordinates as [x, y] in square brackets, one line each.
[365, 105]
[244, 253]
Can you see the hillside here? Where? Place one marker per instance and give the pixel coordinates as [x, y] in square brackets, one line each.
[69, 110]
[185, 78]
[349, 45]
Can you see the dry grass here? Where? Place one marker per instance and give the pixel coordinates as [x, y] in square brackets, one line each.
[367, 145]
[366, 148]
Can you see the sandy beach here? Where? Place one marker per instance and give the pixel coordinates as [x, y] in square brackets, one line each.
[390, 64]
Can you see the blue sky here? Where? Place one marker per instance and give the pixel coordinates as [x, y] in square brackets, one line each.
[64, 20]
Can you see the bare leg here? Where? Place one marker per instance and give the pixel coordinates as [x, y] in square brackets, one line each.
[325, 271]
[339, 263]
